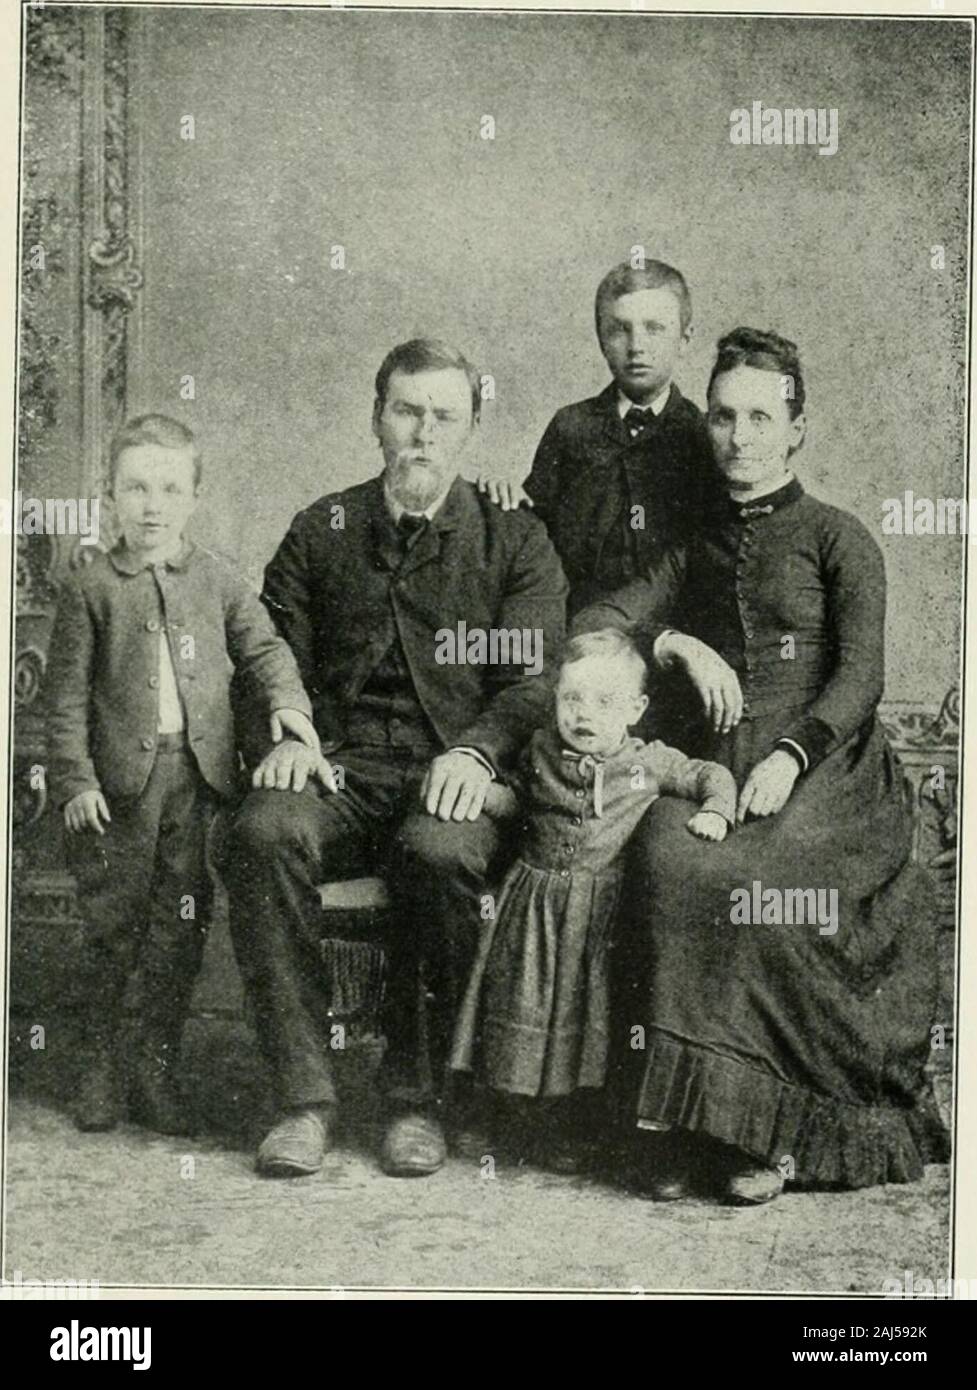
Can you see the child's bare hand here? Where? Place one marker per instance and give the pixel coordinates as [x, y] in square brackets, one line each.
[290, 765]
[82, 812]
[708, 825]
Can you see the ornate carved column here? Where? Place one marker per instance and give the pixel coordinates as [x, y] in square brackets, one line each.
[80, 280]
[112, 266]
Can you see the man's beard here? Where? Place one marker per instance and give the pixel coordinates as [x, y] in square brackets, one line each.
[415, 485]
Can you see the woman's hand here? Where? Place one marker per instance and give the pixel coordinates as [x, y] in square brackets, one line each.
[708, 825]
[508, 496]
[715, 680]
[768, 786]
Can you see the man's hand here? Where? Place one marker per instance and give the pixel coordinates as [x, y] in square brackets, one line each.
[715, 680]
[508, 496]
[289, 766]
[768, 786]
[294, 722]
[82, 812]
[708, 825]
[455, 786]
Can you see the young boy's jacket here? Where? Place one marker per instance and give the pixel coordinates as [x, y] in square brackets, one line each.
[589, 476]
[102, 683]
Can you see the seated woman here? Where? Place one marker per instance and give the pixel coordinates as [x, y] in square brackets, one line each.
[781, 985]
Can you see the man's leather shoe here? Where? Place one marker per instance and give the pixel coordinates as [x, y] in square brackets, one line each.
[97, 1106]
[413, 1147]
[297, 1144]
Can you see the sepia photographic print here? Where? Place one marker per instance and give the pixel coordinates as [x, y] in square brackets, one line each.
[486, 515]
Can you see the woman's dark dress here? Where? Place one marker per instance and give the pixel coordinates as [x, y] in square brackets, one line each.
[787, 1043]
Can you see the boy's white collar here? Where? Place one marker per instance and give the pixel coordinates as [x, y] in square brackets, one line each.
[625, 403]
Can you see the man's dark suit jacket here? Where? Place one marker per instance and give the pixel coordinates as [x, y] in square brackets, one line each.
[338, 589]
[588, 474]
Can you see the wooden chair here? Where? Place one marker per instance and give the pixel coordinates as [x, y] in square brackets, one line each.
[356, 918]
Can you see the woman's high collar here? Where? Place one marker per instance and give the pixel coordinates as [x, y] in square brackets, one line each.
[767, 502]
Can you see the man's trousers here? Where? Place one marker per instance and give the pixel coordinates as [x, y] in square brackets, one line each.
[283, 844]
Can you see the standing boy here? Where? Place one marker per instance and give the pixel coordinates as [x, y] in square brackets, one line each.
[619, 476]
[141, 749]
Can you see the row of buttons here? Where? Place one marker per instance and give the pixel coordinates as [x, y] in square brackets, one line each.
[746, 541]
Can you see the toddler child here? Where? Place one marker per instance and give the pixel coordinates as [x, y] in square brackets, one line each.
[535, 1018]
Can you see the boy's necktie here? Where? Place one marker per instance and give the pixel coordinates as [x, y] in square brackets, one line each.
[638, 421]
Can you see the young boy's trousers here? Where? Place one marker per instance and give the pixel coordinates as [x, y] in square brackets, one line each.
[144, 890]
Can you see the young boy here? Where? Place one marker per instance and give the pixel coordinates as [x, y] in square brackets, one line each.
[619, 476]
[141, 752]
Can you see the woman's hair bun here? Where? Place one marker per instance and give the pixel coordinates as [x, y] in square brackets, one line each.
[757, 347]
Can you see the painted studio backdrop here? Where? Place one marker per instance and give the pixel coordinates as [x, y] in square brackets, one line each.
[241, 212]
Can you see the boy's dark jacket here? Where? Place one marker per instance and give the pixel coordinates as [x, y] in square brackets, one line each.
[341, 592]
[588, 474]
[102, 682]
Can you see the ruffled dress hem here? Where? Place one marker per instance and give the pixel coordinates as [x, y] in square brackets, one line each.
[825, 1141]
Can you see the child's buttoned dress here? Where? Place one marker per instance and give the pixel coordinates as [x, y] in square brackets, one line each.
[535, 1018]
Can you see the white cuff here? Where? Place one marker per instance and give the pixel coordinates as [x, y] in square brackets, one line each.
[474, 753]
[805, 760]
[669, 631]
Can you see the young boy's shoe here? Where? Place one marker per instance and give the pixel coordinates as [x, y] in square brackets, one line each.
[156, 1099]
[97, 1105]
[156, 1103]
